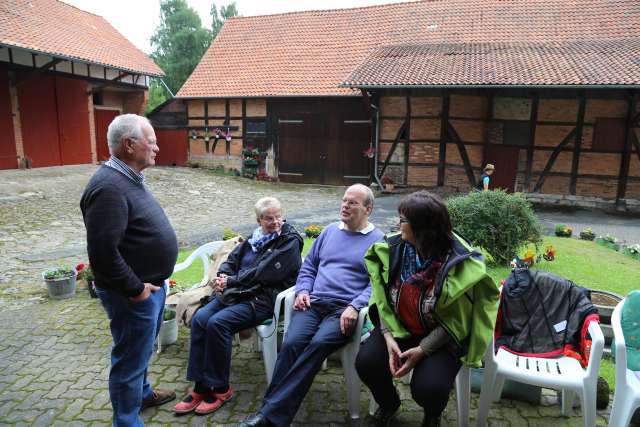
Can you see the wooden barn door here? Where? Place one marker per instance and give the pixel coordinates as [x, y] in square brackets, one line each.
[39, 121]
[8, 155]
[73, 121]
[102, 119]
[299, 156]
[505, 159]
[173, 147]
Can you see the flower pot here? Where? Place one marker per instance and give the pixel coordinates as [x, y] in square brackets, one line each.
[61, 288]
[390, 187]
[168, 332]
[587, 236]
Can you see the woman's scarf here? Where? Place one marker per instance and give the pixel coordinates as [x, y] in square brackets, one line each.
[259, 239]
[412, 262]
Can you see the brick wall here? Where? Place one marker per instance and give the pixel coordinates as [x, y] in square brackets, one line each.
[424, 153]
[597, 188]
[423, 176]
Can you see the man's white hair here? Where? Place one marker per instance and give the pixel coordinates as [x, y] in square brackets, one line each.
[125, 126]
[266, 203]
[368, 198]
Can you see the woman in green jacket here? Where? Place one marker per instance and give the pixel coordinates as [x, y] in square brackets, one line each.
[434, 306]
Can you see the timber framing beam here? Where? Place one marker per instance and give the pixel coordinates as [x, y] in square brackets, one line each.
[626, 153]
[575, 163]
[408, 139]
[442, 151]
[39, 70]
[552, 159]
[403, 126]
[105, 85]
[533, 123]
[453, 135]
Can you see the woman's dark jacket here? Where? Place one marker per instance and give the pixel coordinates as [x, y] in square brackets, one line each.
[274, 269]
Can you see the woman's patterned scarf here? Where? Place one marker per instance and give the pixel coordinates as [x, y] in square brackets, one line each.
[412, 263]
[259, 239]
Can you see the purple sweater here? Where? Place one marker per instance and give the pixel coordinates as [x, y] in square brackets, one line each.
[334, 268]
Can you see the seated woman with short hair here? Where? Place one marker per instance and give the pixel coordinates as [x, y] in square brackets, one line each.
[434, 306]
[247, 285]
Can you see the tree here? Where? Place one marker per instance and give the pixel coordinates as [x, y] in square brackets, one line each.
[217, 21]
[179, 42]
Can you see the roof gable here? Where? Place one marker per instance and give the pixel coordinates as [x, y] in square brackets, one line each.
[58, 29]
[311, 53]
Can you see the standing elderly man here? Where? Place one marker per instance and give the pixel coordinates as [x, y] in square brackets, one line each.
[132, 250]
[333, 285]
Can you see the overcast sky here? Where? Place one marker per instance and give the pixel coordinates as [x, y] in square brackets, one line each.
[137, 19]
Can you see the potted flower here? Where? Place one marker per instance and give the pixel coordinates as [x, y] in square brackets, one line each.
[313, 230]
[60, 281]
[169, 330]
[563, 231]
[85, 273]
[389, 183]
[587, 234]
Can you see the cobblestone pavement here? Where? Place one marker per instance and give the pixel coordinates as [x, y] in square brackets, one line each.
[54, 362]
[54, 355]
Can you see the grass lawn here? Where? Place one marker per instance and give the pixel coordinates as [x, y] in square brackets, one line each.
[585, 263]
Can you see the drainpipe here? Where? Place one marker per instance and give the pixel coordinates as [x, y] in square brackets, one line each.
[166, 87]
[376, 145]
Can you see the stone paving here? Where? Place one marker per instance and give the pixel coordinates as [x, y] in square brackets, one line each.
[54, 355]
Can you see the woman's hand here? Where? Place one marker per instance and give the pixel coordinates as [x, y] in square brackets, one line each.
[394, 353]
[411, 358]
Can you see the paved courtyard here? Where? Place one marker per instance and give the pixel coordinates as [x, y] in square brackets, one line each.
[54, 354]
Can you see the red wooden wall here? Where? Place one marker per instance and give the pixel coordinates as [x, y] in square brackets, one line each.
[102, 119]
[8, 156]
[55, 120]
[173, 147]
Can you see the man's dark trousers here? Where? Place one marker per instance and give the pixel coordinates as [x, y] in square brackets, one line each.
[212, 329]
[134, 328]
[311, 337]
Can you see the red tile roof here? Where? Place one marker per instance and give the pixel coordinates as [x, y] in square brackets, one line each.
[601, 62]
[58, 29]
[311, 53]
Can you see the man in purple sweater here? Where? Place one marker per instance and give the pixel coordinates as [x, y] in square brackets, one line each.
[332, 286]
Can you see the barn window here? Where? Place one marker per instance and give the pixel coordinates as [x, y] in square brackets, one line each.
[256, 127]
[608, 135]
[515, 132]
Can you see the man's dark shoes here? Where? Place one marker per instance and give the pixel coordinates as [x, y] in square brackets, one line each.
[383, 416]
[255, 420]
[430, 421]
[158, 397]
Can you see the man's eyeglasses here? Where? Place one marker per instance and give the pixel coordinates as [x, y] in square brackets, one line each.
[403, 220]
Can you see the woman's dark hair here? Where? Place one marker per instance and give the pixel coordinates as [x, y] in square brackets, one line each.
[429, 221]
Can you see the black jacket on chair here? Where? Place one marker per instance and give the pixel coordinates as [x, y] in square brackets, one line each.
[541, 314]
[274, 269]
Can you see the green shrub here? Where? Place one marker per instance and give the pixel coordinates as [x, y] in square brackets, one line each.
[313, 230]
[169, 314]
[608, 241]
[587, 234]
[563, 231]
[496, 221]
[632, 251]
[228, 234]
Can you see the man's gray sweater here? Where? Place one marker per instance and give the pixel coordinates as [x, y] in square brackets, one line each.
[129, 238]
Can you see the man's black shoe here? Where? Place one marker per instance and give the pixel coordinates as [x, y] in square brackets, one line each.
[383, 416]
[255, 420]
[431, 421]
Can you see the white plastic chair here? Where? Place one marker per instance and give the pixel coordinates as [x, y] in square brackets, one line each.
[267, 333]
[562, 373]
[463, 395]
[627, 395]
[347, 356]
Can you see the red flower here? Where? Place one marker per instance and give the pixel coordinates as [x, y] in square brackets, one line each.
[172, 283]
[80, 267]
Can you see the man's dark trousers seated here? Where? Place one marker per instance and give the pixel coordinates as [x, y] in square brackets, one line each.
[312, 336]
[134, 328]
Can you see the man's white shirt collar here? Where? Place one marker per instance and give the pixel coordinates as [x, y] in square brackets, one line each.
[368, 229]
